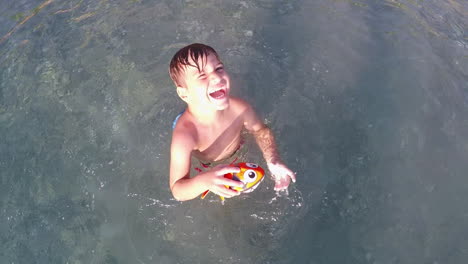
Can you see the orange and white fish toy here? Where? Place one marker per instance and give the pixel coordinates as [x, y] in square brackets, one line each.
[250, 174]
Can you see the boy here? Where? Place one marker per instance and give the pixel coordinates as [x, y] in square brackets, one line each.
[210, 128]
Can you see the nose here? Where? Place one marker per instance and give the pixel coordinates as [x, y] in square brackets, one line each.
[215, 77]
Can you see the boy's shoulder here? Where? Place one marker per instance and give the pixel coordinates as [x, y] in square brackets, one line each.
[184, 132]
[246, 111]
[238, 104]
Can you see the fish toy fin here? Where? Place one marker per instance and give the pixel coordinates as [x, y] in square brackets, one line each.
[205, 194]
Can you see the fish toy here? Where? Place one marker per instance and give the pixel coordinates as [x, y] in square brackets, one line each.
[250, 174]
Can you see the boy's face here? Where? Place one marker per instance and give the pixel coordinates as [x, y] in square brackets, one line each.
[208, 87]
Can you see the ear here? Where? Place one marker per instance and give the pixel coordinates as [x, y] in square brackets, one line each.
[183, 93]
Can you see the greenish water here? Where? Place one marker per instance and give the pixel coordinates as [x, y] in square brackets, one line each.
[368, 101]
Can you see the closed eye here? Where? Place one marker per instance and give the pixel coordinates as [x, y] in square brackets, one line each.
[220, 69]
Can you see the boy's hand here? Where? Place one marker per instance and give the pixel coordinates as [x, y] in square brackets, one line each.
[282, 175]
[215, 181]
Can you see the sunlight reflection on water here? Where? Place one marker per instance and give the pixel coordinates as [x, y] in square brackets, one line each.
[367, 100]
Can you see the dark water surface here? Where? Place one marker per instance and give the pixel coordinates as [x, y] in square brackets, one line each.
[368, 100]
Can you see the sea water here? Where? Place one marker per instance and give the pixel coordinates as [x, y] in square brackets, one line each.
[368, 101]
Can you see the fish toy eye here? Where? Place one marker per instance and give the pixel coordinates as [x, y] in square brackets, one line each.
[251, 165]
[250, 176]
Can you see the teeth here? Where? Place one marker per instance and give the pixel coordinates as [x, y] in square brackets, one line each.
[216, 90]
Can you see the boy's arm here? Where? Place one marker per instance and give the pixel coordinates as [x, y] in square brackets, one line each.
[266, 142]
[185, 188]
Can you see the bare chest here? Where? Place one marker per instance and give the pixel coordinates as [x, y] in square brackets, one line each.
[218, 143]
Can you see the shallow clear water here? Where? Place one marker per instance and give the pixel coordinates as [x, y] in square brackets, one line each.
[368, 100]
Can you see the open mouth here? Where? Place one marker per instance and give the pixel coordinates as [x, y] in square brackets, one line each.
[218, 94]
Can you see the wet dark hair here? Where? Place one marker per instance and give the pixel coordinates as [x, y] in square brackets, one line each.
[186, 56]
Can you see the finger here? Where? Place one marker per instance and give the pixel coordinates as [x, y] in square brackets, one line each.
[228, 169]
[230, 193]
[281, 184]
[293, 176]
[229, 182]
[225, 192]
[278, 185]
[220, 166]
[280, 188]
[289, 173]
